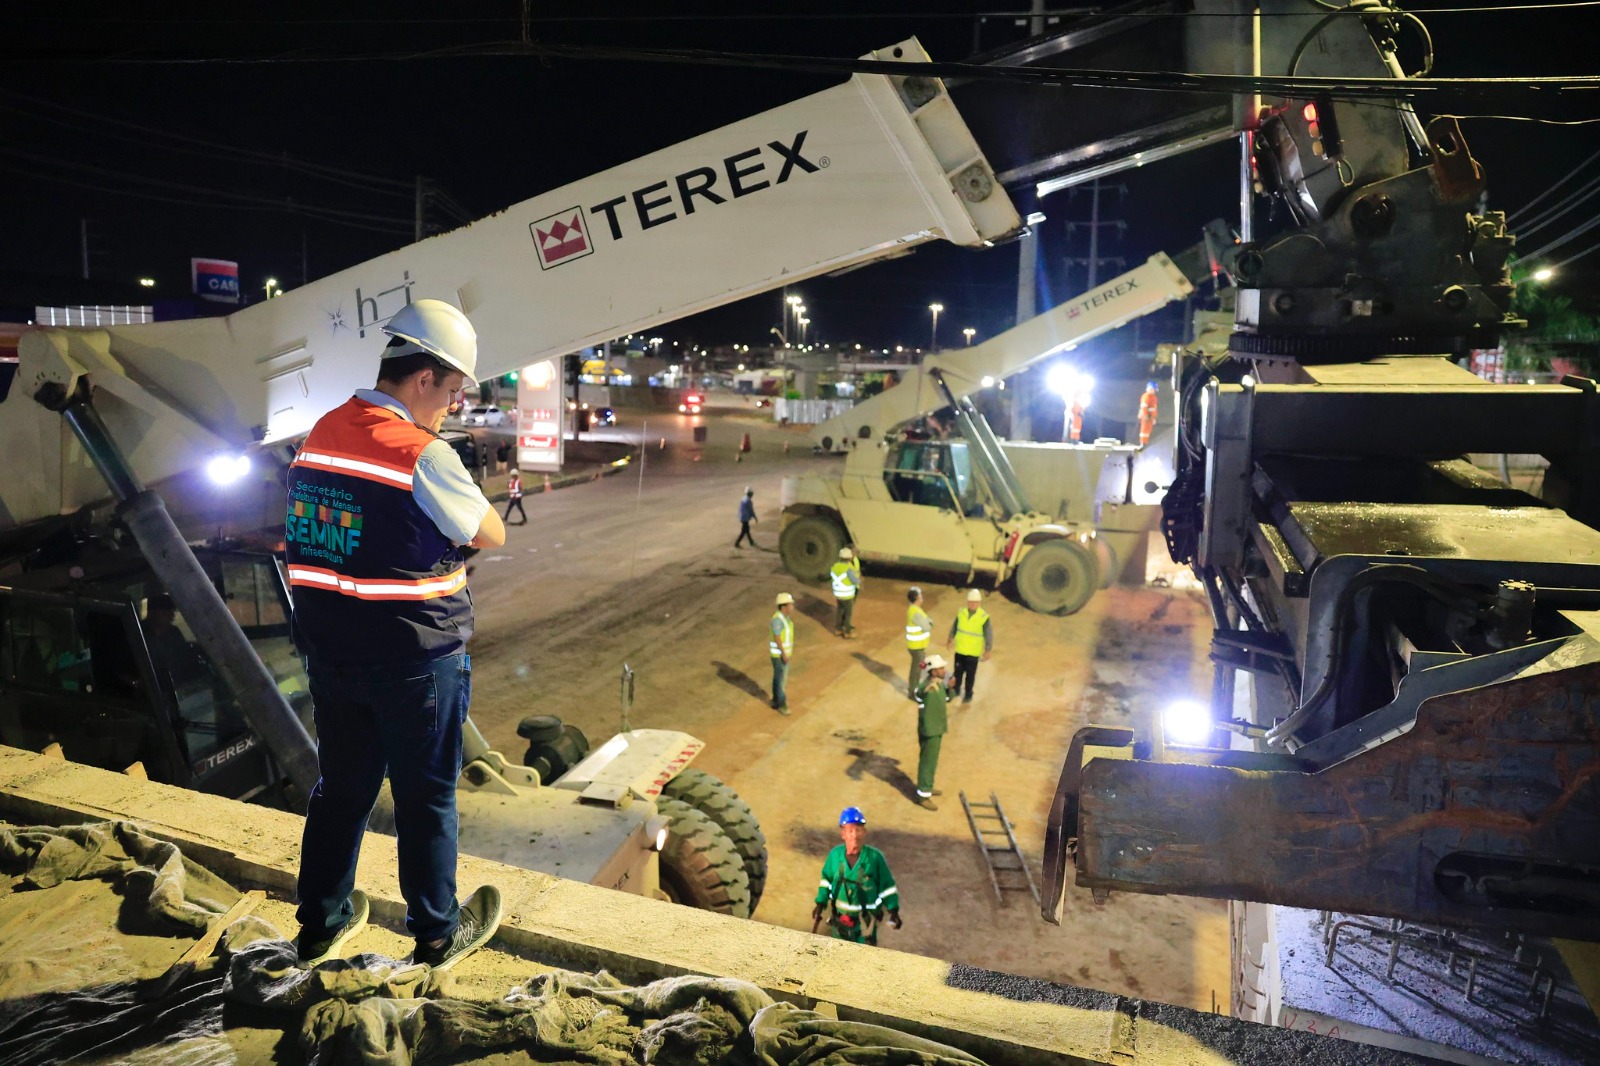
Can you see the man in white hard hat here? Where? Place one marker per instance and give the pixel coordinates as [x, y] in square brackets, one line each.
[845, 576]
[932, 723]
[780, 642]
[972, 637]
[379, 508]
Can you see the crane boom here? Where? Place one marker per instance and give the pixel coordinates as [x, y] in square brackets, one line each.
[854, 173]
[1150, 286]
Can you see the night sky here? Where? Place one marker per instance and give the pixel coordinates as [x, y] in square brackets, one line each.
[88, 121]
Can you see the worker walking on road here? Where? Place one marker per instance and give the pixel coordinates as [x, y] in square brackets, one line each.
[780, 642]
[846, 577]
[972, 637]
[932, 723]
[857, 890]
[1149, 404]
[747, 514]
[919, 633]
[514, 496]
[379, 508]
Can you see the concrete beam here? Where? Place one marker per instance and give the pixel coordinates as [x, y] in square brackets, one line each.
[999, 1018]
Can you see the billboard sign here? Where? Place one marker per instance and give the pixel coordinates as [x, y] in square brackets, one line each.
[539, 411]
[215, 279]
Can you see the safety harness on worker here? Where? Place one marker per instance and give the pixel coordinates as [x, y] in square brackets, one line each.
[969, 631]
[373, 577]
[785, 645]
[917, 632]
[859, 891]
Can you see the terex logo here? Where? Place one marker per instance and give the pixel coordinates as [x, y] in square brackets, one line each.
[560, 237]
[1101, 298]
[746, 172]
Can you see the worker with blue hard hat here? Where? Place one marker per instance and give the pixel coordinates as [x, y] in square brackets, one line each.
[856, 887]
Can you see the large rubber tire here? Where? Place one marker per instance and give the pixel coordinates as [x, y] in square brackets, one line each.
[715, 799]
[809, 546]
[1057, 577]
[1105, 557]
[700, 866]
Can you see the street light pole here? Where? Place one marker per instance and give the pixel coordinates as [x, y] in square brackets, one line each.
[969, 333]
[933, 334]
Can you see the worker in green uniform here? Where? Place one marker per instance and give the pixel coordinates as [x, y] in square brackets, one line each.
[857, 883]
[932, 694]
[845, 576]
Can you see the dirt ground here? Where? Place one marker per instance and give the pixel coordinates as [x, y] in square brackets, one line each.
[640, 569]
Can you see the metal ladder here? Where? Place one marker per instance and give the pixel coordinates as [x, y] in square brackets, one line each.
[998, 858]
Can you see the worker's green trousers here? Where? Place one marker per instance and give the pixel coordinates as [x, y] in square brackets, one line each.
[927, 763]
[844, 615]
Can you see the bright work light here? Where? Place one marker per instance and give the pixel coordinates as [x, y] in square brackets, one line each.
[1187, 722]
[227, 469]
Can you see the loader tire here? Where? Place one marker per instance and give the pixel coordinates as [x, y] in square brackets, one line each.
[700, 866]
[1057, 577]
[715, 799]
[809, 546]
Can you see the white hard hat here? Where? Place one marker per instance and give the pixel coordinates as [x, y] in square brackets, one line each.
[439, 329]
[845, 553]
[974, 596]
[935, 662]
[784, 598]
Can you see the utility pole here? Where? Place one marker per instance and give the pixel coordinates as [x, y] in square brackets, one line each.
[83, 242]
[1094, 259]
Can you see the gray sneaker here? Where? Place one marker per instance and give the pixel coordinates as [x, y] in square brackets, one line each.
[323, 948]
[480, 917]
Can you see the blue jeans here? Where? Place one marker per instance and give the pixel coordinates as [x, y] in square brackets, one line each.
[404, 719]
[780, 672]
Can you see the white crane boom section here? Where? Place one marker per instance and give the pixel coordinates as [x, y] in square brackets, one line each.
[1148, 287]
[848, 175]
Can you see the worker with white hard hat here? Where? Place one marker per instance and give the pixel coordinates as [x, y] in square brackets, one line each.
[379, 509]
[932, 722]
[919, 634]
[780, 642]
[845, 576]
[972, 638]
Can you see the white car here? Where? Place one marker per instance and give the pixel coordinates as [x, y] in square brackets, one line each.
[483, 415]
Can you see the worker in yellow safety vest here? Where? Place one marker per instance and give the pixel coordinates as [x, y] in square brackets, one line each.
[780, 642]
[972, 638]
[846, 578]
[1149, 403]
[919, 632]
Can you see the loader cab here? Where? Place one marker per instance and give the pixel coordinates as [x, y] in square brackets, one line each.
[932, 473]
[95, 658]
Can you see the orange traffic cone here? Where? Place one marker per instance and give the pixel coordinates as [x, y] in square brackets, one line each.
[744, 443]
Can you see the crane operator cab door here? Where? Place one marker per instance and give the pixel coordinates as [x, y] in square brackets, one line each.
[931, 493]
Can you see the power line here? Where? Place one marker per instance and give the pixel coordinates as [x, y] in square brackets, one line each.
[368, 182]
[1516, 215]
[203, 190]
[1417, 89]
[1575, 258]
[855, 16]
[1576, 231]
[1550, 214]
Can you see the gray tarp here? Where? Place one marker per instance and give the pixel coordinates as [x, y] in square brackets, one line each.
[374, 1010]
